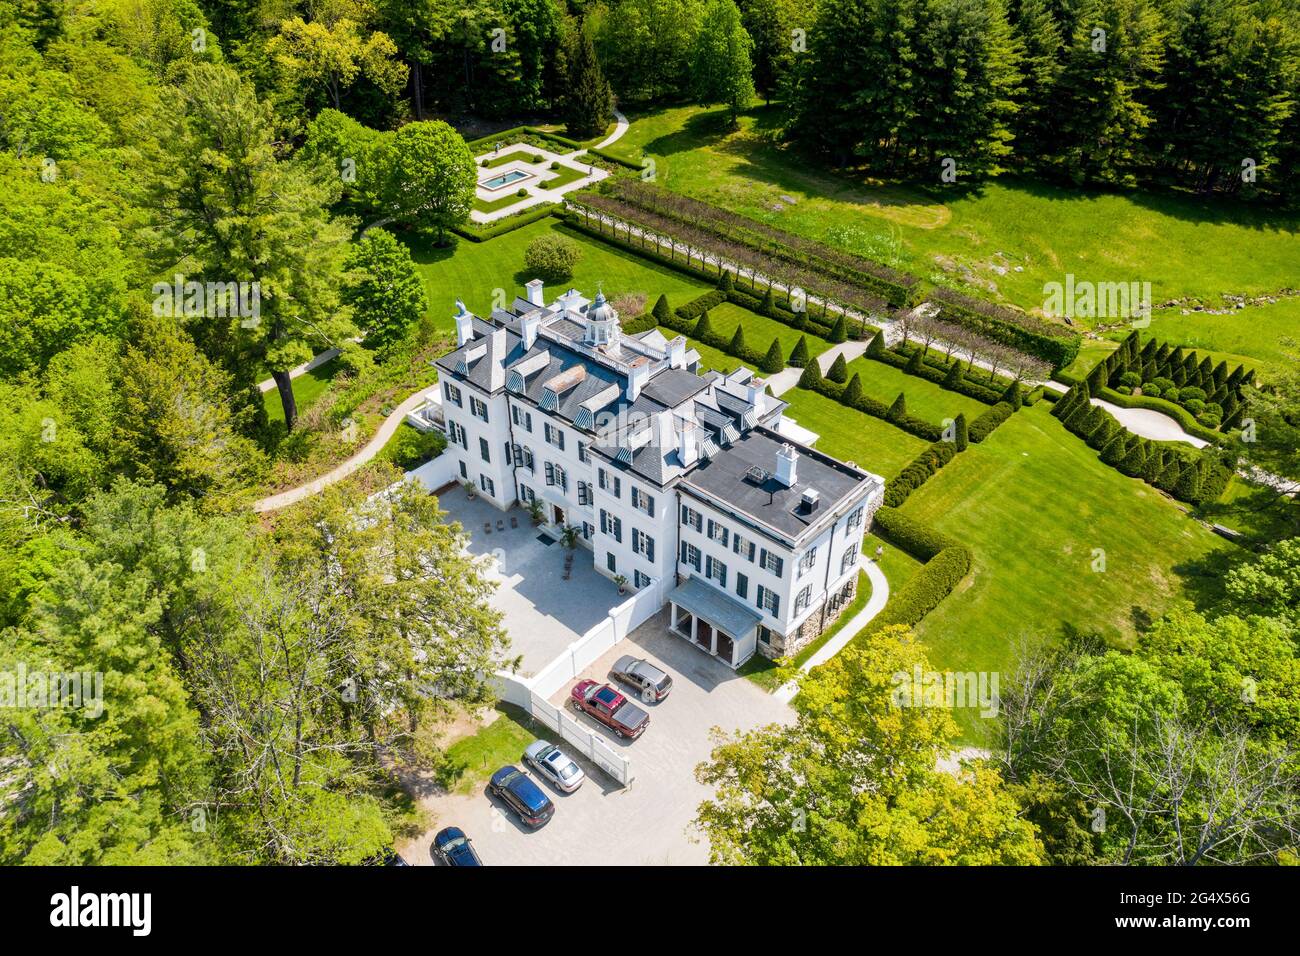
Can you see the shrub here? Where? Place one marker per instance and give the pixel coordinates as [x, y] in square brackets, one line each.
[704, 328]
[876, 347]
[1191, 393]
[1130, 379]
[914, 537]
[737, 346]
[1164, 384]
[726, 283]
[961, 435]
[555, 164]
[799, 354]
[521, 192]
[840, 330]
[839, 370]
[1194, 405]
[812, 375]
[899, 408]
[853, 391]
[552, 258]
[536, 158]
[983, 426]
[1151, 388]
[661, 311]
[1189, 483]
[768, 305]
[773, 361]
[953, 377]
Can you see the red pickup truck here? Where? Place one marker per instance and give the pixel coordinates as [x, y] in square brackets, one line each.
[610, 707]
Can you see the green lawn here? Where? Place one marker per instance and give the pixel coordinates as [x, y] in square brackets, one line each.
[518, 154]
[1182, 245]
[1033, 504]
[473, 270]
[850, 435]
[307, 388]
[564, 175]
[710, 358]
[760, 330]
[1091, 351]
[501, 202]
[1257, 511]
[472, 760]
[899, 566]
[1265, 336]
[925, 399]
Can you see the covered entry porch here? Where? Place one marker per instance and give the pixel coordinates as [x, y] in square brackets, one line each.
[714, 622]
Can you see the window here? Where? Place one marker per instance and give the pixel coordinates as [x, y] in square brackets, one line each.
[611, 483]
[452, 393]
[526, 494]
[803, 598]
[582, 453]
[640, 580]
[715, 569]
[550, 473]
[849, 559]
[643, 544]
[611, 562]
[489, 488]
[855, 519]
[808, 560]
[529, 463]
[562, 479]
[768, 600]
[457, 434]
[555, 436]
[521, 418]
[771, 562]
[692, 518]
[643, 502]
[584, 493]
[717, 533]
[588, 529]
[463, 472]
[477, 408]
[691, 555]
[611, 525]
[742, 547]
[742, 585]
[483, 449]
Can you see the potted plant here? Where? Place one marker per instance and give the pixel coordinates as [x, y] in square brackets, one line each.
[471, 490]
[621, 581]
[535, 511]
[569, 536]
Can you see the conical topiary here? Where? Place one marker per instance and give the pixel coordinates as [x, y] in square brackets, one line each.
[799, 354]
[1135, 459]
[961, 434]
[768, 306]
[661, 311]
[1013, 395]
[703, 327]
[737, 345]
[914, 362]
[812, 375]
[853, 391]
[839, 370]
[773, 361]
[1114, 452]
[954, 375]
[726, 283]
[840, 330]
[1105, 432]
[899, 408]
[1189, 483]
[876, 347]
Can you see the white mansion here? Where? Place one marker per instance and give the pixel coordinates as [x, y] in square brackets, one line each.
[675, 480]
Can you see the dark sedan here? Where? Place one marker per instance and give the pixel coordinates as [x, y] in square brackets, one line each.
[516, 790]
[454, 848]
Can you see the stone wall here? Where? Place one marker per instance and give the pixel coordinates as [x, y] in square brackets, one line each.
[814, 624]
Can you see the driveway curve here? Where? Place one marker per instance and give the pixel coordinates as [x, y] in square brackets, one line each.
[1156, 426]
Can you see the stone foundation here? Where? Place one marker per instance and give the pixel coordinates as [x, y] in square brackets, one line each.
[826, 615]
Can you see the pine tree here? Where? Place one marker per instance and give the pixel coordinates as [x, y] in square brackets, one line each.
[1104, 433]
[840, 330]
[961, 433]
[589, 105]
[799, 354]
[839, 370]
[1167, 480]
[1013, 395]
[1188, 487]
[773, 361]
[853, 391]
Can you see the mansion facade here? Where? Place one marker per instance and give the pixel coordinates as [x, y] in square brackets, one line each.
[674, 480]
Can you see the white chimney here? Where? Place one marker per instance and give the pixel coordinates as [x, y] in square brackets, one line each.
[677, 352]
[531, 324]
[636, 380]
[534, 287]
[464, 324]
[688, 445]
[787, 462]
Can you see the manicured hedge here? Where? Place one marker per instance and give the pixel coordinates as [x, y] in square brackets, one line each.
[983, 426]
[935, 369]
[607, 155]
[908, 423]
[1019, 330]
[1176, 412]
[917, 539]
[500, 227]
[918, 471]
[936, 579]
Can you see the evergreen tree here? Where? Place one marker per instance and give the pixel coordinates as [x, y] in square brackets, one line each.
[1104, 433]
[914, 362]
[1040, 38]
[1013, 395]
[839, 370]
[876, 347]
[1114, 452]
[704, 328]
[1188, 487]
[662, 312]
[773, 361]
[961, 433]
[1134, 461]
[840, 330]
[737, 345]
[953, 377]
[853, 391]
[726, 283]
[812, 375]
[768, 305]
[721, 70]
[589, 105]
[899, 408]
[799, 354]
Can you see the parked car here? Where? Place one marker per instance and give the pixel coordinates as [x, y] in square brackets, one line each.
[454, 848]
[610, 707]
[555, 765]
[514, 788]
[650, 683]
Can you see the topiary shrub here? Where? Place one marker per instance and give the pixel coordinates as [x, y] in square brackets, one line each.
[839, 370]
[727, 283]
[737, 346]
[799, 354]
[661, 311]
[840, 330]
[960, 432]
[853, 391]
[704, 327]
[1191, 393]
[552, 258]
[1129, 379]
[876, 347]
[811, 377]
[768, 306]
[774, 360]
[899, 408]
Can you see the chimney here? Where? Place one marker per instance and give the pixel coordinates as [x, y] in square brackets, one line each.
[787, 461]
[636, 380]
[677, 352]
[688, 444]
[464, 324]
[530, 324]
[534, 287]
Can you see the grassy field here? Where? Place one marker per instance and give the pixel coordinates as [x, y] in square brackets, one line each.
[760, 330]
[873, 444]
[1034, 505]
[1005, 238]
[501, 202]
[924, 398]
[307, 388]
[473, 270]
[1264, 336]
[1091, 351]
[472, 760]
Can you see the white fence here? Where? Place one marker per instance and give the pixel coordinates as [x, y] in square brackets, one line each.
[531, 693]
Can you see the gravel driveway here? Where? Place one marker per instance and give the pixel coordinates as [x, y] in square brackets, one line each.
[647, 822]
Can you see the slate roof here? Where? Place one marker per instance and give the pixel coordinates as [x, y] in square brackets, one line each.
[716, 607]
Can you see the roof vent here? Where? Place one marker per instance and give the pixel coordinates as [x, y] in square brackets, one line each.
[810, 500]
[756, 475]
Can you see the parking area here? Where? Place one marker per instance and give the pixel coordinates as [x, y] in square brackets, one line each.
[545, 611]
[646, 823]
